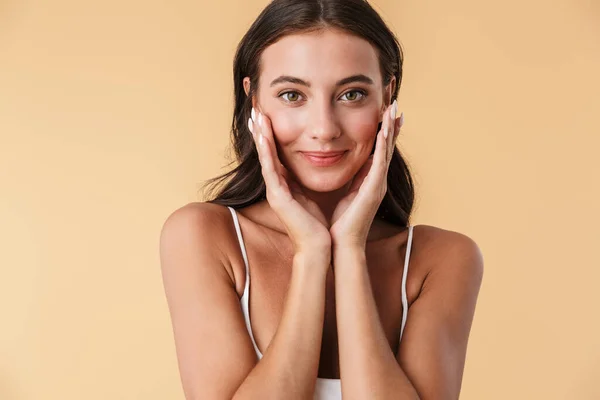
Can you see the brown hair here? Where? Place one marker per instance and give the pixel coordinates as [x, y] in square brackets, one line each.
[245, 184]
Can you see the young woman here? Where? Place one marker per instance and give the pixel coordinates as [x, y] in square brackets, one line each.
[347, 297]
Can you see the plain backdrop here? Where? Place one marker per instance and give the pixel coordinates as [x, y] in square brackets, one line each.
[113, 112]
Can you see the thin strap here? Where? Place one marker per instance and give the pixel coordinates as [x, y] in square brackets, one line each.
[240, 239]
[245, 297]
[404, 275]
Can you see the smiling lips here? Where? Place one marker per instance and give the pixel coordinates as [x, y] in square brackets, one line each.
[323, 159]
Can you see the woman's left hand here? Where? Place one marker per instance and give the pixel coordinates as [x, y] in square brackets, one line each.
[354, 214]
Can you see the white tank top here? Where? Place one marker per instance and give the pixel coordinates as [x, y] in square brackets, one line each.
[326, 388]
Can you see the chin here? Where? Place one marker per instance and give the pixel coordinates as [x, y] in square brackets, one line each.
[326, 181]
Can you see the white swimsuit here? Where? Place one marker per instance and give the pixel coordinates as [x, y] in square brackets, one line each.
[326, 388]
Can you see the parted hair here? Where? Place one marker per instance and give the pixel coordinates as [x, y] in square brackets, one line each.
[243, 185]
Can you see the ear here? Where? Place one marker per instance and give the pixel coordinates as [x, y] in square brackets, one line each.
[246, 83]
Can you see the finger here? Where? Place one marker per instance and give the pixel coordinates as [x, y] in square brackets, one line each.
[398, 122]
[264, 156]
[389, 151]
[382, 144]
[373, 184]
[251, 128]
[378, 166]
[266, 129]
[257, 132]
[267, 163]
[388, 132]
[393, 132]
[384, 122]
[380, 154]
[254, 130]
[381, 141]
[397, 126]
[254, 126]
[392, 146]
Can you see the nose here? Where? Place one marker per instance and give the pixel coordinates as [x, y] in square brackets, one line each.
[322, 121]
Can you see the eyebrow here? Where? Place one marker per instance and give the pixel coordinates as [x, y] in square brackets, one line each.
[354, 78]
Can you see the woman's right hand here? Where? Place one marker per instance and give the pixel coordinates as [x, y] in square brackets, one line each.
[306, 225]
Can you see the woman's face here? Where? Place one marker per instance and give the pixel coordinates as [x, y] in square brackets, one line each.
[323, 93]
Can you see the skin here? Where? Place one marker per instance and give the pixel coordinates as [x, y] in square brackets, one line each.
[332, 209]
[339, 202]
[323, 116]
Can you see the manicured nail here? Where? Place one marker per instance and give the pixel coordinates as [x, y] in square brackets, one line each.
[385, 133]
[394, 110]
[402, 119]
[250, 126]
[253, 114]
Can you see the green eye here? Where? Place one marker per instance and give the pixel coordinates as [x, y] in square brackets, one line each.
[353, 98]
[291, 98]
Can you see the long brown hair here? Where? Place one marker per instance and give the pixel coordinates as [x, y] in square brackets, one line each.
[244, 184]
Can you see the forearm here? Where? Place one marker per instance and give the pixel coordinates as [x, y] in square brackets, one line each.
[289, 366]
[368, 367]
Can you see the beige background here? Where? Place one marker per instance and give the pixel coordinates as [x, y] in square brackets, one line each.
[112, 112]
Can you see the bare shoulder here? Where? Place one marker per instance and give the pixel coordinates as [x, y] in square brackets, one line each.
[433, 351]
[214, 349]
[445, 249]
[192, 213]
[199, 226]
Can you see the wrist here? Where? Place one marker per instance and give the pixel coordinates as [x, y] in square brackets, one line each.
[315, 245]
[317, 258]
[350, 242]
[348, 250]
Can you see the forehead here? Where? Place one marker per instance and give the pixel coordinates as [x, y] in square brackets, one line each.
[321, 57]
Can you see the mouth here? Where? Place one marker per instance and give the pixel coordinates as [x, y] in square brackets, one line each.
[320, 159]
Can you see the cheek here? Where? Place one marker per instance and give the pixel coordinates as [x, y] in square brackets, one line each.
[286, 126]
[362, 126]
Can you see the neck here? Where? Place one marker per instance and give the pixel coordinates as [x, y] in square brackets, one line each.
[327, 201]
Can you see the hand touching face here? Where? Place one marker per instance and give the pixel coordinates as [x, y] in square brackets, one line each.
[324, 97]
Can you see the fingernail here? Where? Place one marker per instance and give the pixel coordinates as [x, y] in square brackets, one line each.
[385, 133]
[394, 110]
[253, 114]
[250, 126]
[402, 119]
